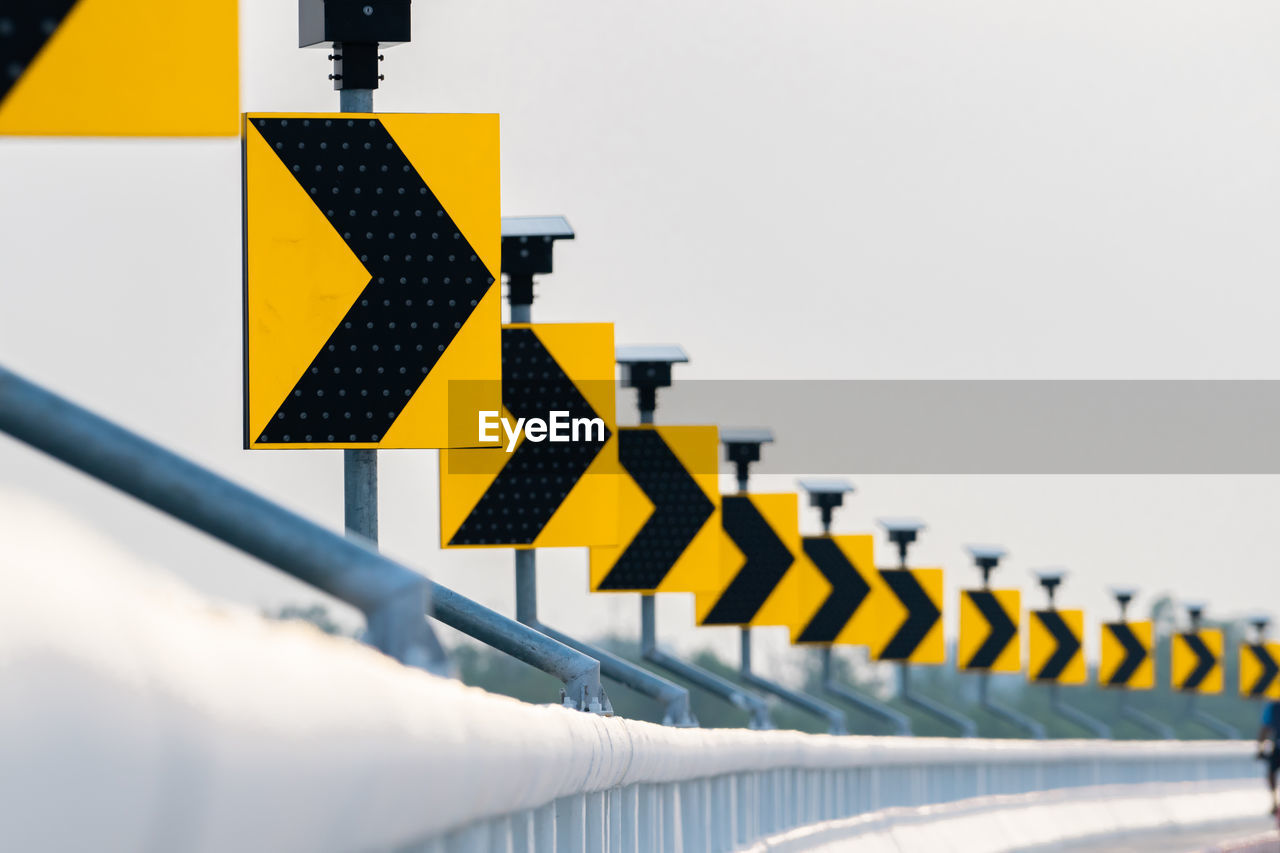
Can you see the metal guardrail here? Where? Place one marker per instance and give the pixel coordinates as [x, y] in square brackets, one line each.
[393, 597]
[689, 801]
[280, 721]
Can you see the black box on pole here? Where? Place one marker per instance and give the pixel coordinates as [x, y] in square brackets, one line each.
[378, 22]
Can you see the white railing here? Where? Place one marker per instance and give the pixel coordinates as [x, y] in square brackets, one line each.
[136, 715]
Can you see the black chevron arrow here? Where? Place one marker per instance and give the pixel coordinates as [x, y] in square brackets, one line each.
[922, 614]
[1003, 629]
[425, 279]
[1067, 645]
[25, 28]
[1205, 661]
[848, 590]
[680, 509]
[1134, 653]
[767, 560]
[1270, 669]
[538, 477]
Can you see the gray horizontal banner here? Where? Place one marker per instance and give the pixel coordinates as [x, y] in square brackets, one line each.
[991, 427]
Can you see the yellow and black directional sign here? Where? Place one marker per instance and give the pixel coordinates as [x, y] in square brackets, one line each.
[989, 630]
[847, 613]
[762, 582]
[1196, 665]
[1127, 659]
[372, 244]
[1260, 670]
[551, 479]
[119, 68]
[669, 512]
[910, 622]
[1055, 652]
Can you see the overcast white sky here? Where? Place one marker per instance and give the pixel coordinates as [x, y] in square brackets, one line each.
[826, 188]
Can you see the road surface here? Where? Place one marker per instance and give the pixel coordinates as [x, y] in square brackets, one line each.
[1220, 837]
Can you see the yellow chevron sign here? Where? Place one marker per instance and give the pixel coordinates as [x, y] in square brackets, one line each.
[1260, 670]
[989, 640]
[372, 244]
[669, 511]
[119, 68]
[1197, 661]
[1055, 647]
[763, 582]
[1127, 656]
[545, 493]
[908, 624]
[857, 596]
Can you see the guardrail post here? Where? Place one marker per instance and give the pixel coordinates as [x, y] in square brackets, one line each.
[671, 819]
[596, 822]
[616, 820]
[570, 818]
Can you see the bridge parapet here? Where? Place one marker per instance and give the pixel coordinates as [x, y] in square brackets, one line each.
[150, 713]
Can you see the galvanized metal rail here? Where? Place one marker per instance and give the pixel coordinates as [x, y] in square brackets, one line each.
[393, 597]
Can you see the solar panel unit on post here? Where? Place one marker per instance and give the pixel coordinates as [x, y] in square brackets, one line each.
[669, 513]
[909, 621]
[551, 485]
[1127, 661]
[848, 599]
[669, 501]
[65, 63]
[372, 244]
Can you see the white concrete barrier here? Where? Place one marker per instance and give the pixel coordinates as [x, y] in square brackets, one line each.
[136, 715]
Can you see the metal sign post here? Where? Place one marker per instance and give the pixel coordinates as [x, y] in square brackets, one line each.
[526, 252]
[1133, 667]
[1065, 660]
[826, 495]
[356, 321]
[987, 558]
[1196, 668]
[646, 369]
[320, 23]
[902, 532]
[742, 447]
